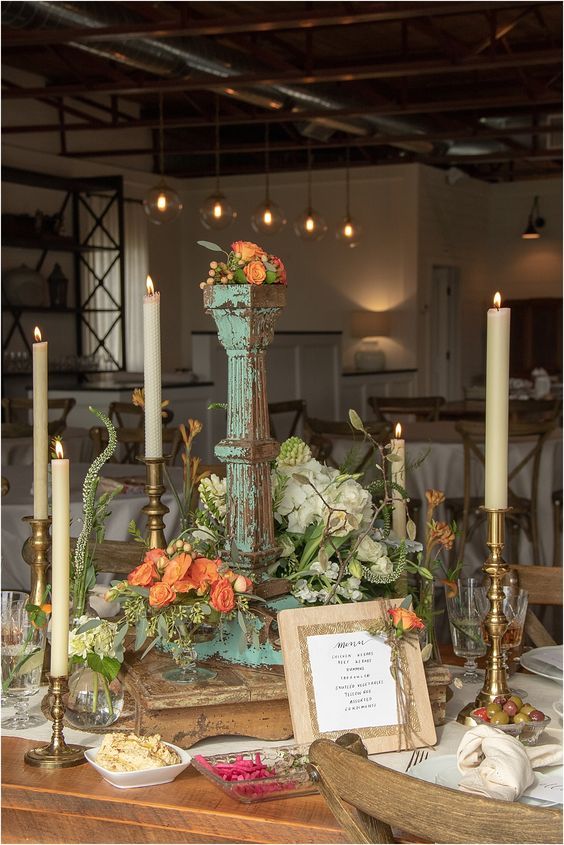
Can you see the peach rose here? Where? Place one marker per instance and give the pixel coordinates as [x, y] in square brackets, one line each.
[255, 272]
[247, 250]
[158, 557]
[161, 594]
[242, 584]
[204, 571]
[143, 575]
[222, 597]
[177, 568]
[281, 269]
[405, 619]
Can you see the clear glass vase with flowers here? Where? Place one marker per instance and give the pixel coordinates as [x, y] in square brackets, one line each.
[176, 597]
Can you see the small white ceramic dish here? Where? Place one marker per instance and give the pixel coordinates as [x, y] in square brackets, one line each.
[145, 777]
[545, 661]
[443, 771]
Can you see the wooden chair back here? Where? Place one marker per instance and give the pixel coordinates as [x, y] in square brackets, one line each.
[422, 408]
[544, 586]
[133, 441]
[323, 435]
[296, 407]
[368, 800]
[19, 410]
[473, 439]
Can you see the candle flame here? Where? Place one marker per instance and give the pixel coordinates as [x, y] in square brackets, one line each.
[150, 286]
[59, 450]
[497, 301]
[398, 431]
[37, 334]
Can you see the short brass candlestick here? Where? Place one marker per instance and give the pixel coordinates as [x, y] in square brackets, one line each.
[155, 510]
[495, 681]
[35, 553]
[56, 755]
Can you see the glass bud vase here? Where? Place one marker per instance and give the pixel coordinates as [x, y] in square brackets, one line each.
[426, 611]
[93, 702]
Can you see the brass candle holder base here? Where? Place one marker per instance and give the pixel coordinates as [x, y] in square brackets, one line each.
[155, 510]
[35, 552]
[495, 681]
[56, 755]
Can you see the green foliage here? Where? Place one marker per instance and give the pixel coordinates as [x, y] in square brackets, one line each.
[133, 529]
[209, 245]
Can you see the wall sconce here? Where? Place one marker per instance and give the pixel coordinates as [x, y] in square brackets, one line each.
[370, 325]
[534, 223]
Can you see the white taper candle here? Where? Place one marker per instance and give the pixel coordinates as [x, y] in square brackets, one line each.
[497, 405]
[60, 563]
[40, 426]
[399, 515]
[152, 369]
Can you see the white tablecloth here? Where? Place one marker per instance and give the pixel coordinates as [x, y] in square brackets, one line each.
[540, 691]
[18, 451]
[19, 503]
[443, 469]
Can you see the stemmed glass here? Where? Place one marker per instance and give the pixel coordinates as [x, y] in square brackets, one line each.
[466, 611]
[23, 648]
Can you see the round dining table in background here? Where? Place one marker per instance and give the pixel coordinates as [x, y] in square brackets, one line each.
[18, 503]
[18, 451]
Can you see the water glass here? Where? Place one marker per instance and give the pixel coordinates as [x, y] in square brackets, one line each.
[23, 649]
[466, 611]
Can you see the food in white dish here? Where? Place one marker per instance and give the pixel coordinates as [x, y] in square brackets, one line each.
[132, 753]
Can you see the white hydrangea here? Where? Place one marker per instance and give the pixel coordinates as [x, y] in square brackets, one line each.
[99, 639]
[374, 553]
[213, 493]
[303, 592]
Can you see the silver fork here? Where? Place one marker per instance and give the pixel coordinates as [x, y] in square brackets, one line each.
[417, 757]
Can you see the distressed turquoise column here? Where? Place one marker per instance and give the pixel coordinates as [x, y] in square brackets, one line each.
[245, 316]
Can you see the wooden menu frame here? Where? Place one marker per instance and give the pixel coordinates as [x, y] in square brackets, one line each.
[297, 625]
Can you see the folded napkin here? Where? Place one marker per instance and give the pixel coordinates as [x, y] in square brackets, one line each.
[497, 765]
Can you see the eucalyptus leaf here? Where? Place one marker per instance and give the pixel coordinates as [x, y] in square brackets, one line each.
[151, 645]
[426, 652]
[406, 603]
[210, 245]
[301, 479]
[355, 420]
[88, 626]
[141, 632]
[241, 621]
[411, 529]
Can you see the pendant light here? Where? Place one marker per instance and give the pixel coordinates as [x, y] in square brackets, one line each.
[268, 218]
[349, 231]
[216, 212]
[534, 223]
[310, 225]
[162, 204]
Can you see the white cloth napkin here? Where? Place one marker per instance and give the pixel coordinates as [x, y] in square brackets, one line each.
[497, 765]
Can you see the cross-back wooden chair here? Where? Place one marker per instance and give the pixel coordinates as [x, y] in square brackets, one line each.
[544, 586]
[368, 800]
[557, 527]
[18, 411]
[523, 514]
[323, 436]
[297, 407]
[423, 408]
[133, 441]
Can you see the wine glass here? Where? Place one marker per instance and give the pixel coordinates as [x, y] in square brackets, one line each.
[515, 605]
[23, 648]
[466, 611]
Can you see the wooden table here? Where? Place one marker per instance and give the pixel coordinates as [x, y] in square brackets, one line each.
[76, 806]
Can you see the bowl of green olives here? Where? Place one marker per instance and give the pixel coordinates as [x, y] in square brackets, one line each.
[510, 715]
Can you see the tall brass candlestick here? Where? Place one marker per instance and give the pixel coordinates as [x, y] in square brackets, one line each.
[35, 553]
[495, 681]
[155, 510]
[56, 755]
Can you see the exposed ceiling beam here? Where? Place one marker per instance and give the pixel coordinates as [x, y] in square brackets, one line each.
[509, 155]
[431, 67]
[501, 104]
[303, 145]
[224, 26]
[501, 31]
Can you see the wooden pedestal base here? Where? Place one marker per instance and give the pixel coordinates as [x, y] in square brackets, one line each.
[239, 701]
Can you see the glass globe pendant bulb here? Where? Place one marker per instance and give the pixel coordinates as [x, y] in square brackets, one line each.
[268, 218]
[349, 231]
[310, 226]
[217, 212]
[162, 204]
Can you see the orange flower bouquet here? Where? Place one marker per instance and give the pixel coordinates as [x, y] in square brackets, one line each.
[246, 263]
[174, 595]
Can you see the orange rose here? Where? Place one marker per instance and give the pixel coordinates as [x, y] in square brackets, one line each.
[158, 557]
[222, 597]
[247, 250]
[281, 269]
[161, 594]
[255, 272]
[177, 568]
[405, 619]
[204, 571]
[143, 575]
[185, 586]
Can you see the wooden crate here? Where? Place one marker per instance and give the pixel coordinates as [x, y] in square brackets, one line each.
[239, 700]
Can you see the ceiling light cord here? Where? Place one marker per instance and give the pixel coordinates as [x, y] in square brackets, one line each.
[161, 136]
